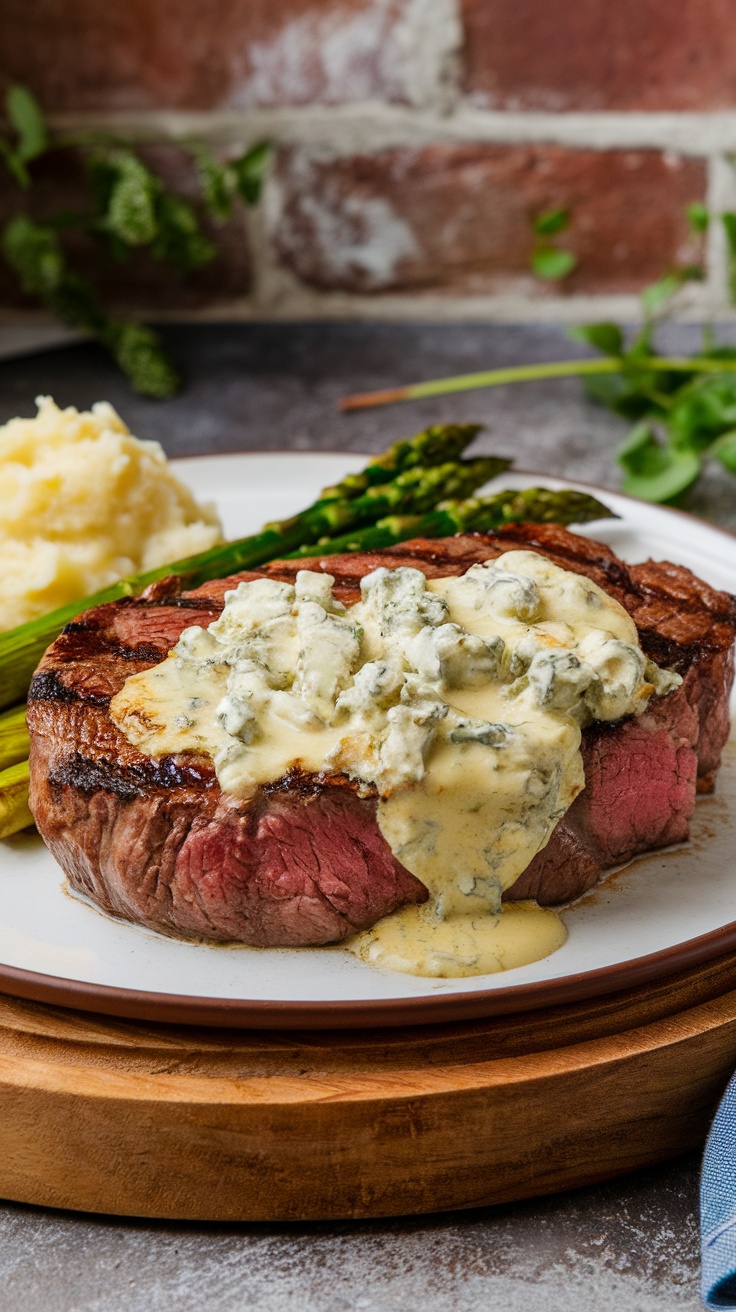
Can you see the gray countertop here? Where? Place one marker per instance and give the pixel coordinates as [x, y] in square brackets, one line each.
[629, 1245]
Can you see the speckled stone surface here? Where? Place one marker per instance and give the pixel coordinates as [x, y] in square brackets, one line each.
[626, 1246]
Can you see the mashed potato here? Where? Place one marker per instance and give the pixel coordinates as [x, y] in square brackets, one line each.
[83, 503]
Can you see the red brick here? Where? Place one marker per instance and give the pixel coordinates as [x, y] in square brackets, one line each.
[200, 54]
[600, 54]
[458, 218]
[140, 282]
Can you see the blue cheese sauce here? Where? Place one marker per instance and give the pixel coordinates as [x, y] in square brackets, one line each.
[459, 701]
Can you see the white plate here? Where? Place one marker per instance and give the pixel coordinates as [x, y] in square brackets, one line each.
[658, 915]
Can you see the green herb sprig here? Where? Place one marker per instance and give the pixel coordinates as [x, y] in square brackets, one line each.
[129, 207]
[682, 419]
[683, 409]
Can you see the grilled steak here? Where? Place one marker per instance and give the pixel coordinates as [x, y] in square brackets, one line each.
[156, 841]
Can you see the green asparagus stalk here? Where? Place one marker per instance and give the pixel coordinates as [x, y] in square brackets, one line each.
[14, 812]
[433, 446]
[13, 737]
[534, 505]
[414, 491]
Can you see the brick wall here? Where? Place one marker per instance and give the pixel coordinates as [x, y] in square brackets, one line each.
[415, 140]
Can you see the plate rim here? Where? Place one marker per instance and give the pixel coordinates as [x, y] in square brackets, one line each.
[378, 1013]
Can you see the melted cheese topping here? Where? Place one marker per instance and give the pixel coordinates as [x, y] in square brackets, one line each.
[459, 701]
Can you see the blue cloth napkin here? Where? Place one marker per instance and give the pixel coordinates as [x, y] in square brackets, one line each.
[718, 1207]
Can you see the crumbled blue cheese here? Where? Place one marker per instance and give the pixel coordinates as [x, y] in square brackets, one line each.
[459, 701]
[329, 651]
[451, 656]
[395, 605]
[498, 591]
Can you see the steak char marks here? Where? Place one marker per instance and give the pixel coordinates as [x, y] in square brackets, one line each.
[156, 841]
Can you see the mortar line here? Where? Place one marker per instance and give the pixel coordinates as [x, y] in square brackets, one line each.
[375, 126]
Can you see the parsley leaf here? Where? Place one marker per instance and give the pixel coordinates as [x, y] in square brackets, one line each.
[654, 470]
[655, 297]
[179, 238]
[698, 217]
[702, 410]
[552, 264]
[605, 337]
[34, 252]
[140, 355]
[725, 451]
[26, 117]
[131, 205]
[551, 222]
[217, 181]
[250, 171]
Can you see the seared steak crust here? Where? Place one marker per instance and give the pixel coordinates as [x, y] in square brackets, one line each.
[157, 842]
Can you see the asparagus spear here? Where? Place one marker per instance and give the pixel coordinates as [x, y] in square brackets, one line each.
[433, 446]
[412, 492]
[14, 812]
[13, 737]
[534, 505]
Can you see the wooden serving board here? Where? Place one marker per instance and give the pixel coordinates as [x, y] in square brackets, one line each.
[162, 1121]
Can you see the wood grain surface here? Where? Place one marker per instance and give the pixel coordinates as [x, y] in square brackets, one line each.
[162, 1121]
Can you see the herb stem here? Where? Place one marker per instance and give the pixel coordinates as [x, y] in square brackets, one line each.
[533, 372]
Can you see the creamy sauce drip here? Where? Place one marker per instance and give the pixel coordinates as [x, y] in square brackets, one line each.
[459, 700]
[414, 941]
